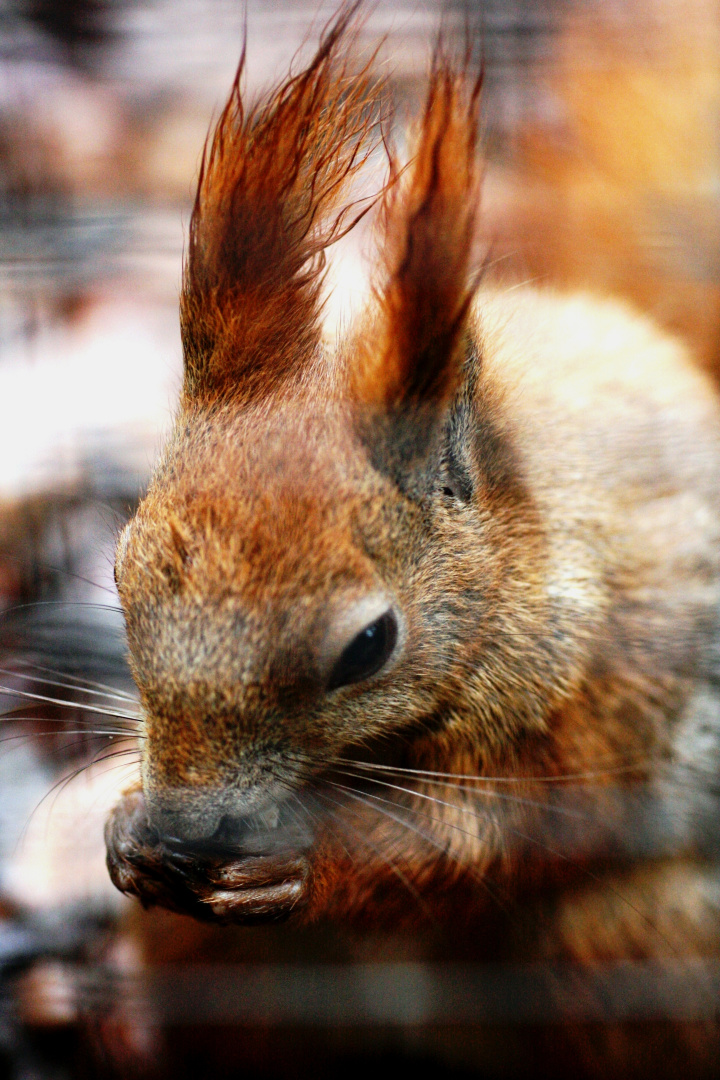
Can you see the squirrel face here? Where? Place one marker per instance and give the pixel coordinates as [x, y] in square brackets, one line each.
[287, 599]
[262, 613]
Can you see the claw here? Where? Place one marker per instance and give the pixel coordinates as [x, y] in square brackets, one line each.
[243, 888]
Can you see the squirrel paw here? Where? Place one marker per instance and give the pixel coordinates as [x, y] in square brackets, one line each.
[209, 884]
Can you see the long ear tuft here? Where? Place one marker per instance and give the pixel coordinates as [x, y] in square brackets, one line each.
[269, 201]
[411, 357]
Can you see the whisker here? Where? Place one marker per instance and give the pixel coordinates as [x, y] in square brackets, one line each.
[516, 799]
[62, 570]
[388, 861]
[115, 608]
[591, 774]
[66, 781]
[97, 759]
[62, 783]
[131, 768]
[92, 734]
[57, 751]
[364, 796]
[28, 695]
[82, 683]
[61, 728]
[546, 848]
[313, 818]
[478, 877]
[289, 807]
[17, 714]
[67, 685]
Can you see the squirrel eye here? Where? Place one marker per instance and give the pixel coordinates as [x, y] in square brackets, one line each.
[367, 652]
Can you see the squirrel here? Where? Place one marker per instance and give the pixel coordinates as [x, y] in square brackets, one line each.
[431, 613]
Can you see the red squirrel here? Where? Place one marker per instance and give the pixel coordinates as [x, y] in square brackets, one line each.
[432, 612]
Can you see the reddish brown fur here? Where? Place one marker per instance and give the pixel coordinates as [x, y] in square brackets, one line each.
[269, 201]
[530, 482]
[428, 229]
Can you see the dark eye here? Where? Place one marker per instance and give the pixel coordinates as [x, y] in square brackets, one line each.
[367, 652]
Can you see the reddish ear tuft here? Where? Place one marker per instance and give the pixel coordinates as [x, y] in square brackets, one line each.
[269, 201]
[411, 353]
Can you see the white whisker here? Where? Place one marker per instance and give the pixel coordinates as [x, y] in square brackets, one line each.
[388, 861]
[66, 685]
[28, 695]
[518, 799]
[82, 683]
[592, 774]
[92, 734]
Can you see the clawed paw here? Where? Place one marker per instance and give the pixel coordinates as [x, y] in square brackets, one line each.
[225, 886]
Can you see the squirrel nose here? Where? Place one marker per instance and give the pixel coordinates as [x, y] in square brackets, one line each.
[185, 815]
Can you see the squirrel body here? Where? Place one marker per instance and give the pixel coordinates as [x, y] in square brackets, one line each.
[437, 607]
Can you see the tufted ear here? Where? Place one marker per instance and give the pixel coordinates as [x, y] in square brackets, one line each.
[411, 354]
[269, 201]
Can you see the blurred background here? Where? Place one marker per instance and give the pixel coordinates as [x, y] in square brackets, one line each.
[602, 142]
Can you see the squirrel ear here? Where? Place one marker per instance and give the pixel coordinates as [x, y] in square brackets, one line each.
[410, 356]
[269, 201]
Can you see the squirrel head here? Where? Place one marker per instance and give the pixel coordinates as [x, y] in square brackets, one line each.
[337, 546]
